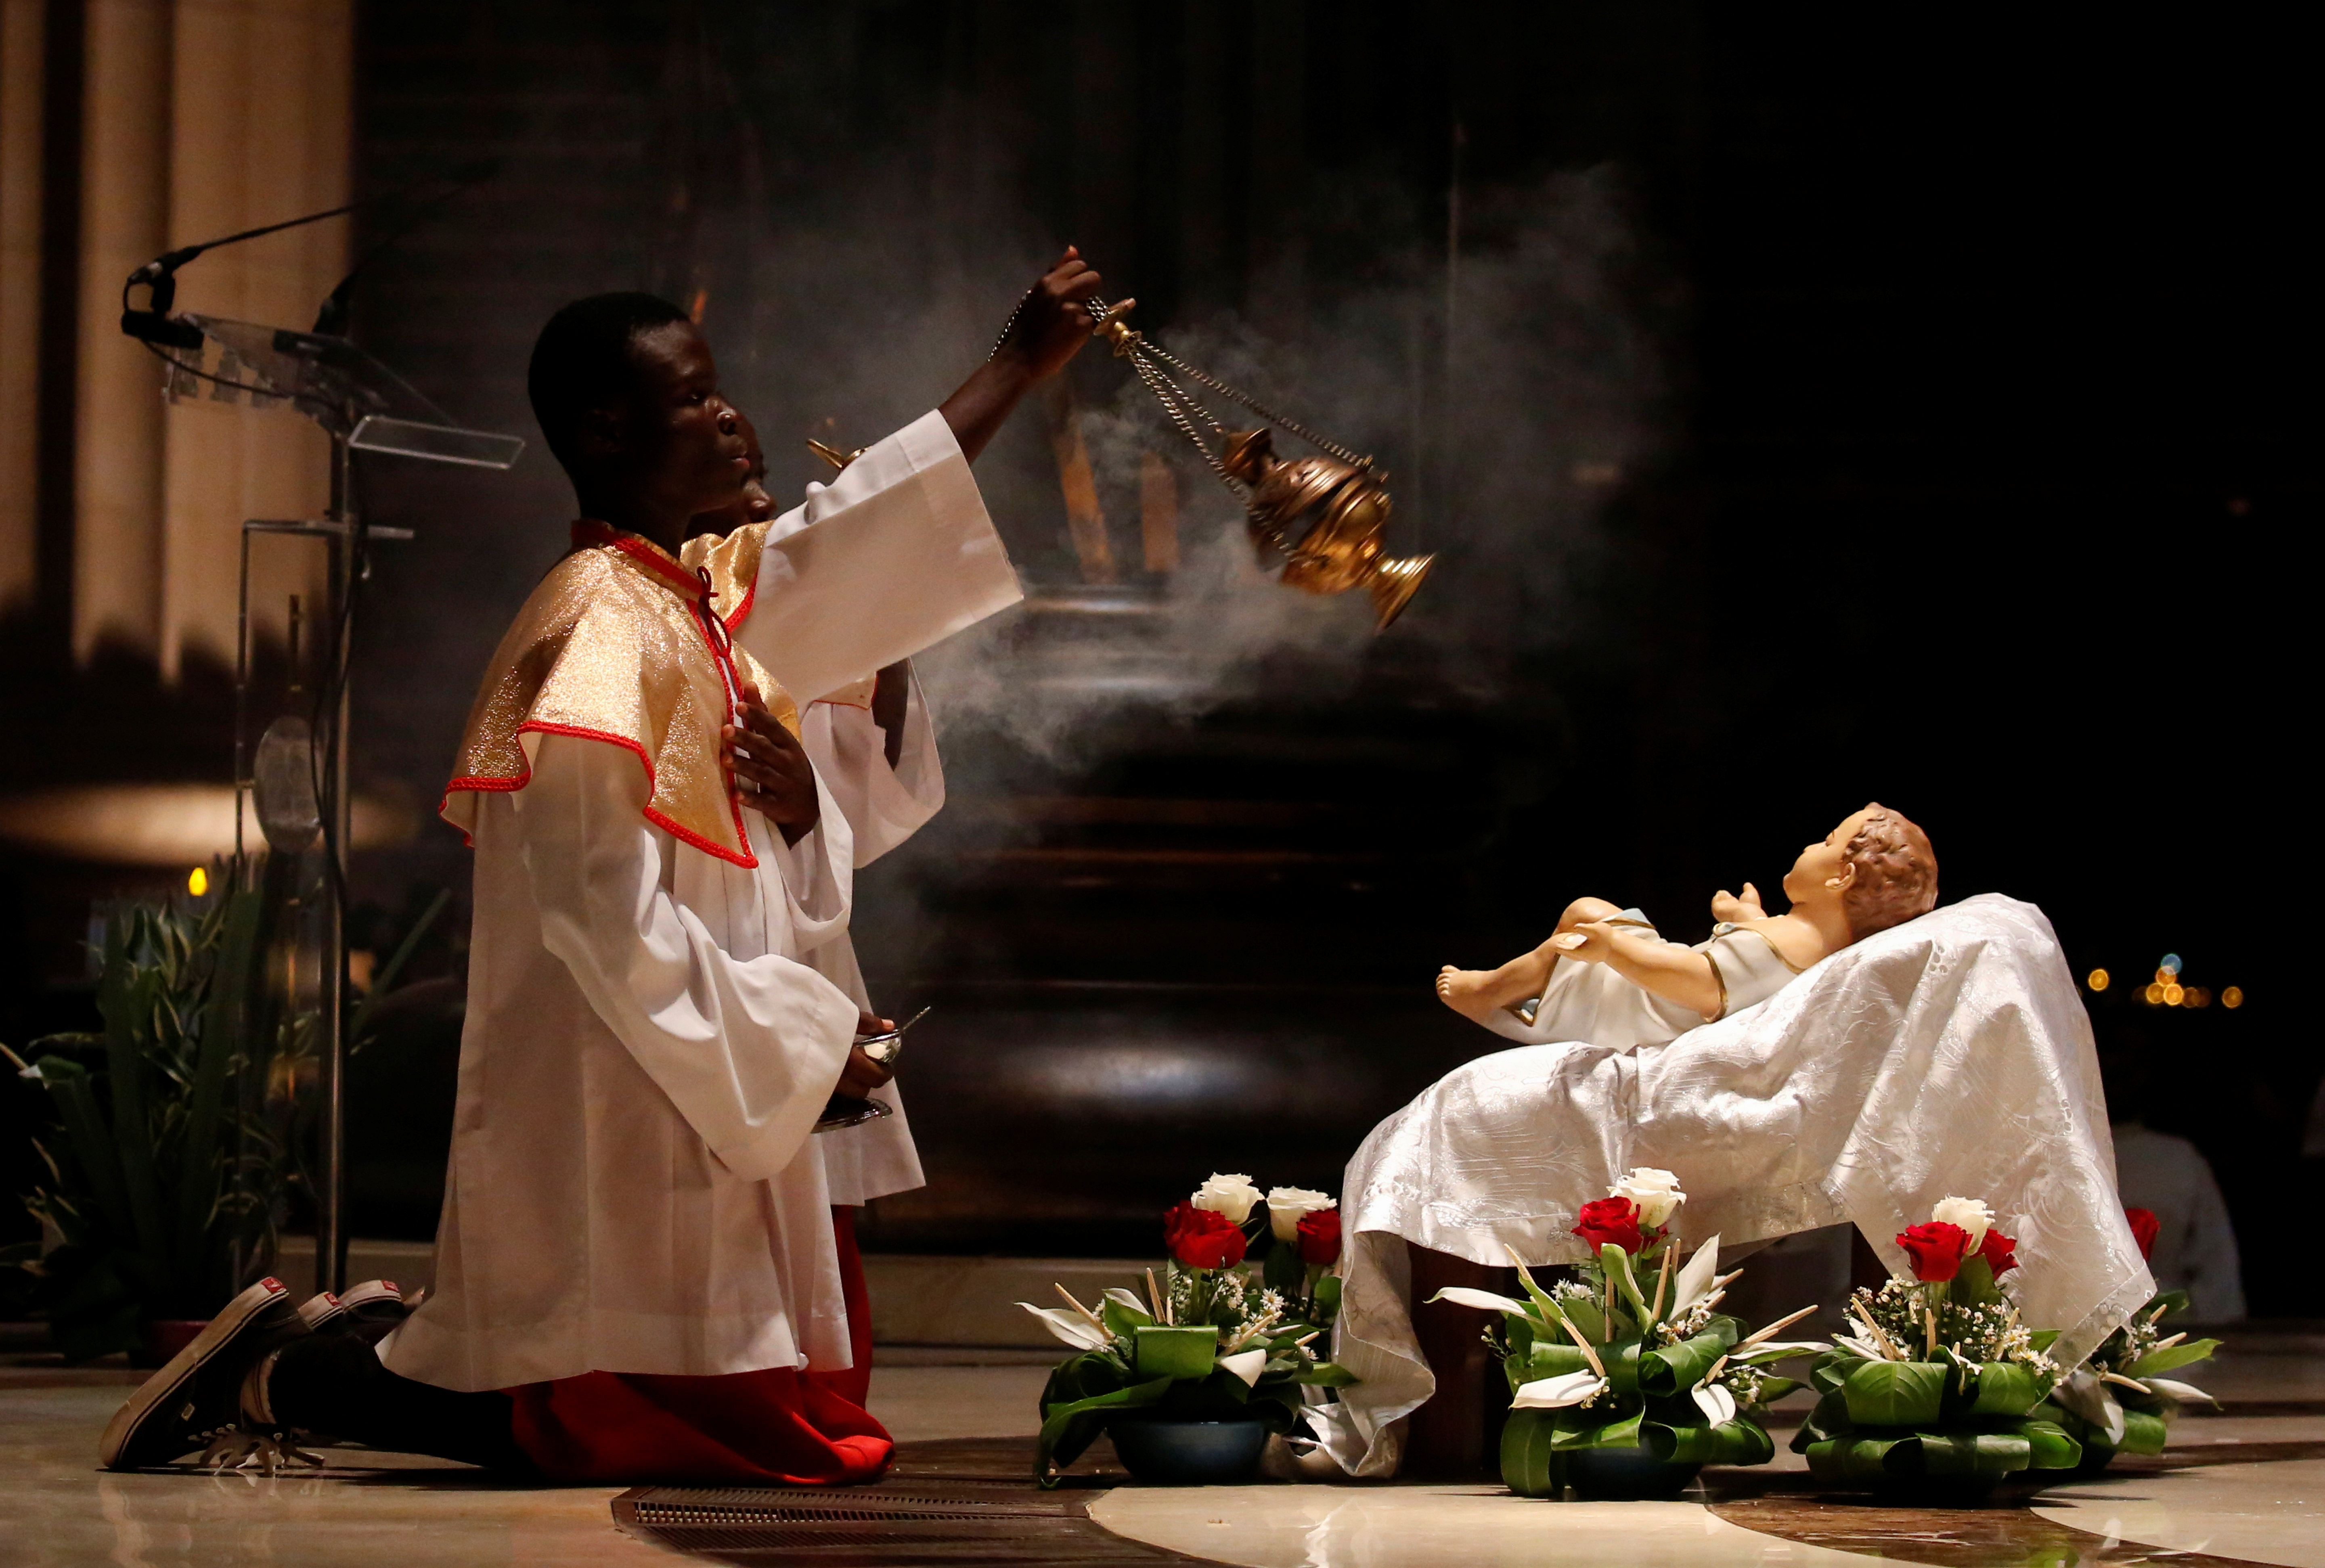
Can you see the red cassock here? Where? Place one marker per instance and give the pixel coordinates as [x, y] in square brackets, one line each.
[776, 1427]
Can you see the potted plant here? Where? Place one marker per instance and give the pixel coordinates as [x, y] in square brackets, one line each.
[1192, 1378]
[175, 1143]
[1935, 1391]
[2117, 1401]
[1626, 1379]
[154, 1208]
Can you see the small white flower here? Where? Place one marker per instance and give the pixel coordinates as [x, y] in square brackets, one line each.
[1656, 1193]
[1233, 1196]
[1970, 1213]
[1285, 1205]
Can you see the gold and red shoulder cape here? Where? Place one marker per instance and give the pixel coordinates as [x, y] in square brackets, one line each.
[621, 644]
[731, 562]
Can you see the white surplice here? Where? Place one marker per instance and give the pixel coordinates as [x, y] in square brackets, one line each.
[652, 1032]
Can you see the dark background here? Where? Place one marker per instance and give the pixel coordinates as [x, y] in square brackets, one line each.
[1807, 408]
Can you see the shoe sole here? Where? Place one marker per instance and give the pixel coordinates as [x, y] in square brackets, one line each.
[165, 1384]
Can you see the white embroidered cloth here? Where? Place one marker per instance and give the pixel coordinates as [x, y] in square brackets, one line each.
[1947, 1055]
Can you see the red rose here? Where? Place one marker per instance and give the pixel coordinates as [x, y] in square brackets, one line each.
[1202, 1238]
[1615, 1219]
[1320, 1237]
[2000, 1251]
[1937, 1249]
[2143, 1227]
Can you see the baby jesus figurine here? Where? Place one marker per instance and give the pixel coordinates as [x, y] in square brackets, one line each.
[1626, 986]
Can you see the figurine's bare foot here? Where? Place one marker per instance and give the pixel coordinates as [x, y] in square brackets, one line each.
[1478, 994]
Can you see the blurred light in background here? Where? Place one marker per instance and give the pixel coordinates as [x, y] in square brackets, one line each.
[162, 824]
[197, 881]
[2099, 980]
[2233, 996]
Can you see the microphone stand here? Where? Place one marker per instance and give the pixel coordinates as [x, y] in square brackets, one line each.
[345, 392]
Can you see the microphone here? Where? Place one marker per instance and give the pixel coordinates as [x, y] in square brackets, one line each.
[155, 324]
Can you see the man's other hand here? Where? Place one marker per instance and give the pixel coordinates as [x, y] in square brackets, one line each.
[771, 769]
[862, 1075]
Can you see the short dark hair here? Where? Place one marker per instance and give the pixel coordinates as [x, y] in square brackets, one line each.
[582, 361]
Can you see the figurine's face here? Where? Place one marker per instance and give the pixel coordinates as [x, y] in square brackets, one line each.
[1825, 862]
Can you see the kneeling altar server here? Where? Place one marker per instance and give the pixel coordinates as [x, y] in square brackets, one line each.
[638, 1278]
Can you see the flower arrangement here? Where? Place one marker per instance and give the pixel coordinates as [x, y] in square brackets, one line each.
[1210, 1342]
[1937, 1380]
[1632, 1353]
[2117, 1401]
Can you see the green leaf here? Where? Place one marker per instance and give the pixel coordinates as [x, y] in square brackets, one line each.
[1828, 1419]
[1327, 1298]
[1896, 1393]
[1965, 1456]
[1070, 1428]
[1530, 1462]
[1622, 1361]
[1326, 1375]
[1737, 1442]
[1176, 1352]
[1828, 1375]
[1973, 1283]
[2172, 1302]
[2165, 1361]
[2007, 1388]
[1542, 1359]
[2043, 1339]
[1583, 1318]
[1121, 1320]
[1853, 1462]
[2050, 1446]
[1617, 1265]
[2143, 1432]
[1774, 1388]
[1675, 1369]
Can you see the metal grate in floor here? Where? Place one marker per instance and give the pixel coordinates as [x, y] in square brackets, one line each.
[943, 1503]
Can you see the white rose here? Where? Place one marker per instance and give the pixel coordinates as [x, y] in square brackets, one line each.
[1233, 1196]
[1970, 1213]
[1656, 1193]
[1286, 1204]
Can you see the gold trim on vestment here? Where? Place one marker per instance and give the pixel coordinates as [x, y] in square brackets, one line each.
[613, 645]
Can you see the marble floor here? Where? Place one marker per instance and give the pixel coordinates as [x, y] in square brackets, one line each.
[2244, 1486]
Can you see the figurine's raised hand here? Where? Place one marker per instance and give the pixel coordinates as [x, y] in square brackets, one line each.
[771, 769]
[1054, 321]
[1736, 910]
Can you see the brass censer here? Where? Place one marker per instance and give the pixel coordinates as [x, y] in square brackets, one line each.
[1323, 514]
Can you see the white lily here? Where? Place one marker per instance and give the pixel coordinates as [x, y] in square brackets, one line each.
[2185, 1393]
[1715, 1402]
[1073, 1330]
[1127, 1299]
[2081, 1392]
[1694, 1282]
[1856, 1347]
[1556, 1392]
[1462, 1295]
[1780, 1350]
[1246, 1365]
